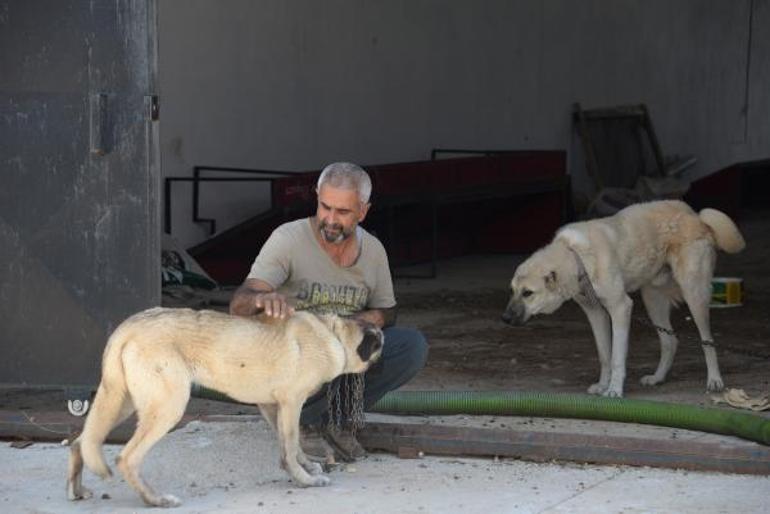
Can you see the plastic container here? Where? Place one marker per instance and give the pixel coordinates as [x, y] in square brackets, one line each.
[726, 292]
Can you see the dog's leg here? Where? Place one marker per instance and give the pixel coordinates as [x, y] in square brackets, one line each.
[693, 273]
[288, 437]
[658, 305]
[620, 314]
[156, 418]
[314, 468]
[600, 326]
[269, 412]
[110, 408]
[75, 489]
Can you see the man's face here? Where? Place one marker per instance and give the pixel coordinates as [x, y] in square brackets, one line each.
[339, 212]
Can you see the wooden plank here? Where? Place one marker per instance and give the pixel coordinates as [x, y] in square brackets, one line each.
[752, 459]
[57, 426]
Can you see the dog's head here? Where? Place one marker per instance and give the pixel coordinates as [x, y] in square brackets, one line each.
[362, 341]
[535, 288]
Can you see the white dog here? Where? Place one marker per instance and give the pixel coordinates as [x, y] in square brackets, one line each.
[663, 248]
[153, 357]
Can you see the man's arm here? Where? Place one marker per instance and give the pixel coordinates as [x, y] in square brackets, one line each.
[255, 296]
[381, 317]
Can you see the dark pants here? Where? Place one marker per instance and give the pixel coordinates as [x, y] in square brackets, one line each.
[403, 355]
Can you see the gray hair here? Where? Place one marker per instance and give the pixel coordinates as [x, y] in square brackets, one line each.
[346, 175]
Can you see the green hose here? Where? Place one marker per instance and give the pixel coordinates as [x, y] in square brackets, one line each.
[504, 403]
[553, 405]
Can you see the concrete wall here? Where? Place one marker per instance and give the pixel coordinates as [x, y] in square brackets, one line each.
[295, 84]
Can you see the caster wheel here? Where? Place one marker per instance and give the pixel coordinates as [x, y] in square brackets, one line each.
[78, 407]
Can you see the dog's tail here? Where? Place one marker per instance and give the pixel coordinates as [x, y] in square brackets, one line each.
[111, 405]
[726, 234]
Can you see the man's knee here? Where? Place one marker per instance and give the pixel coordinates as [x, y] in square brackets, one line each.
[408, 345]
[420, 348]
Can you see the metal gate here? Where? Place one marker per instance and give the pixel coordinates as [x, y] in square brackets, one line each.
[79, 182]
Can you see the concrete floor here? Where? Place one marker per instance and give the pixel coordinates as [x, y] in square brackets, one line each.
[232, 466]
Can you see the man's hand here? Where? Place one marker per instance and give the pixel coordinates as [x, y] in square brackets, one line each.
[256, 296]
[273, 304]
[382, 318]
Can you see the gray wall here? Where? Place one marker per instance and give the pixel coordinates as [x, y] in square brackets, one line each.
[295, 84]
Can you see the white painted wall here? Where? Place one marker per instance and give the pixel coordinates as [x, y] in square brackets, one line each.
[295, 84]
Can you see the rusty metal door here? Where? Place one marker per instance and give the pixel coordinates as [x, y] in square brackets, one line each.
[79, 182]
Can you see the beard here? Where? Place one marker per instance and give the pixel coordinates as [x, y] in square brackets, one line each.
[334, 233]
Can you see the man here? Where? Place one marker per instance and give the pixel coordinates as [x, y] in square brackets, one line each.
[328, 263]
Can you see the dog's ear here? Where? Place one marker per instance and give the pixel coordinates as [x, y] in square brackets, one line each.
[551, 280]
[370, 344]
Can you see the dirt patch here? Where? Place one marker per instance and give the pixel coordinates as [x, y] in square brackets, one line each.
[470, 348]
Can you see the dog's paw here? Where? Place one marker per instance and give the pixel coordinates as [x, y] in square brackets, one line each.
[650, 380]
[168, 501]
[597, 388]
[320, 481]
[715, 385]
[612, 393]
[314, 468]
[81, 494]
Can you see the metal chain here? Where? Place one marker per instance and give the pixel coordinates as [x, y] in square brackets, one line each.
[352, 388]
[333, 406]
[347, 395]
[671, 332]
[589, 295]
[357, 412]
[741, 351]
[329, 411]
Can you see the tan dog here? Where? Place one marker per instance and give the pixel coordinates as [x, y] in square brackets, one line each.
[663, 248]
[152, 359]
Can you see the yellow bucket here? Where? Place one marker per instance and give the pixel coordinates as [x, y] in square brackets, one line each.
[726, 292]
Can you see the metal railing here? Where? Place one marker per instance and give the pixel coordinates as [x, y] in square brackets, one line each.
[436, 151]
[197, 179]
[430, 199]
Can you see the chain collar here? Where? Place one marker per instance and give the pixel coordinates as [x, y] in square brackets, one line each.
[589, 293]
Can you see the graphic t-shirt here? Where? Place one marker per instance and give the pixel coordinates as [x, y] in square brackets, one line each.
[293, 262]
